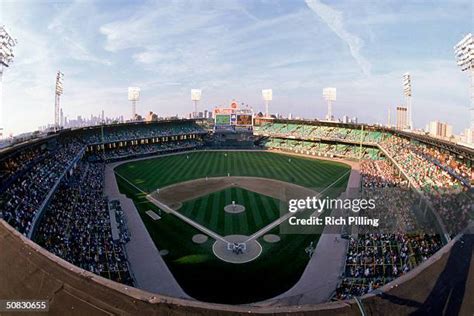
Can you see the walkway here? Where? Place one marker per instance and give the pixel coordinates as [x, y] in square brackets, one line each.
[149, 269]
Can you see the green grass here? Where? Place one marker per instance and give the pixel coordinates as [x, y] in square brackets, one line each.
[196, 269]
[155, 173]
[260, 210]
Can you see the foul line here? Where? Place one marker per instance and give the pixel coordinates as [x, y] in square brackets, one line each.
[203, 229]
[288, 215]
[168, 209]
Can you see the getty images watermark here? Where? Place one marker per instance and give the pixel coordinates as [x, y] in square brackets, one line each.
[312, 214]
[319, 205]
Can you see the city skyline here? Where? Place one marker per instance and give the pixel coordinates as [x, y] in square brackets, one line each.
[232, 50]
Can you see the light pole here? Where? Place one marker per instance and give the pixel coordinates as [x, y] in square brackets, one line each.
[57, 100]
[196, 97]
[464, 51]
[6, 58]
[329, 94]
[267, 95]
[407, 93]
[134, 96]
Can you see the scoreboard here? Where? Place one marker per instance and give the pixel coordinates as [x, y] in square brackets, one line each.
[222, 119]
[244, 120]
[233, 118]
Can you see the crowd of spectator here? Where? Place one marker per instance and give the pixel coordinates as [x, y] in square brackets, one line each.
[139, 131]
[316, 132]
[76, 225]
[380, 174]
[426, 175]
[443, 179]
[395, 202]
[447, 161]
[322, 149]
[23, 198]
[455, 209]
[17, 163]
[376, 259]
[377, 255]
[447, 194]
[147, 149]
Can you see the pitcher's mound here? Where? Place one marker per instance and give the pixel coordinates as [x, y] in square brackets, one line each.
[271, 238]
[234, 208]
[199, 238]
[236, 249]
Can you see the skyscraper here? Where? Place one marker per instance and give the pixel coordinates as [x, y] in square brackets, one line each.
[440, 129]
[402, 117]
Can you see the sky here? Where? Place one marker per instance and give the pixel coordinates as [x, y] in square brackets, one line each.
[232, 50]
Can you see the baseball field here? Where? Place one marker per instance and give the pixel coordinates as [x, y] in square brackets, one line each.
[199, 186]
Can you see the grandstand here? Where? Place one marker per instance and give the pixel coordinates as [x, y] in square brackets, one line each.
[52, 193]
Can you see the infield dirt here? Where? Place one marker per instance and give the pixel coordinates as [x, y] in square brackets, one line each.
[174, 195]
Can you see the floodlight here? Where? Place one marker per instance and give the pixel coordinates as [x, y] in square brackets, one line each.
[57, 99]
[196, 97]
[6, 59]
[329, 94]
[196, 94]
[134, 96]
[267, 95]
[408, 94]
[464, 51]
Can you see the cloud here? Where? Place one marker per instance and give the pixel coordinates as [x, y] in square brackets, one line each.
[233, 49]
[77, 51]
[335, 21]
[72, 37]
[153, 55]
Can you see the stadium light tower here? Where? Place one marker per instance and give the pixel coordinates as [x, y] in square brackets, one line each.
[134, 96]
[329, 94]
[57, 99]
[196, 97]
[6, 58]
[267, 95]
[407, 93]
[464, 51]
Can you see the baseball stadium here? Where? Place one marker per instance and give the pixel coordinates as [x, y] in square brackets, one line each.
[236, 203]
[177, 216]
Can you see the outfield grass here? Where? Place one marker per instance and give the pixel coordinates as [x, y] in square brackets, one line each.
[260, 211]
[151, 174]
[196, 269]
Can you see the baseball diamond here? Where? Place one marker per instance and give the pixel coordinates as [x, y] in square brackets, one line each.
[201, 188]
